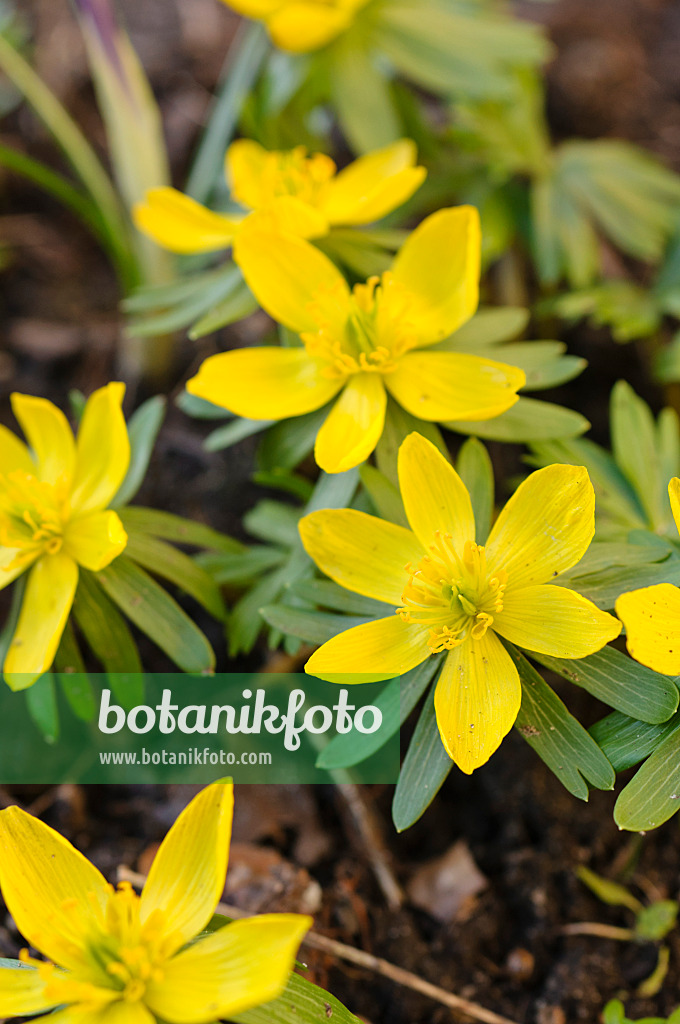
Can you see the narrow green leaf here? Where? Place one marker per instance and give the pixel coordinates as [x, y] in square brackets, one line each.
[12, 619]
[424, 771]
[143, 428]
[653, 795]
[300, 1003]
[72, 676]
[236, 305]
[328, 594]
[290, 441]
[626, 741]
[556, 736]
[384, 495]
[528, 420]
[242, 567]
[476, 471]
[166, 525]
[274, 522]
[153, 611]
[104, 629]
[233, 432]
[489, 326]
[635, 448]
[609, 892]
[617, 680]
[362, 98]
[311, 626]
[41, 700]
[170, 564]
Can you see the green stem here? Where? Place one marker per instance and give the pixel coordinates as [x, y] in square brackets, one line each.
[240, 71]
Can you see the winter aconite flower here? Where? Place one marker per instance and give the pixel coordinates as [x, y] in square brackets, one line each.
[360, 344]
[119, 958]
[300, 25]
[294, 191]
[53, 513]
[652, 615]
[456, 597]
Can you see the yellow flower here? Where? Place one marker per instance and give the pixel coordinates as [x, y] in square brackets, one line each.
[300, 25]
[53, 517]
[652, 615]
[118, 958]
[453, 595]
[290, 191]
[361, 344]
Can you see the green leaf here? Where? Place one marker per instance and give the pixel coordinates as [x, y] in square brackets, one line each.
[634, 445]
[604, 587]
[624, 684]
[489, 326]
[609, 892]
[153, 611]
[424, 771]
[290, 441]
[653, 794]
[143, 428]
[41, 700]
[527, 420]
[556, 736]
[181, 313]
[199, 408]
[233, 432]
[170, 564]
[396, 703]
[166, 525]
[274, 522]
[104, 628]
[300, 1003]
[12, 618]
[476, 471]
[655, 922]
[384, 495]
[245, 621]
[626, 741]
[328, 594]
[362, 97]
[235, 305]
[398, 424]
[72, 676]
[312, 626]
[242, 567]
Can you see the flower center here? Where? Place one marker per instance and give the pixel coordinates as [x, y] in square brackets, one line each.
[452, 594]
[294, 173]
[132, 954]
[32, 516]
[376, 334]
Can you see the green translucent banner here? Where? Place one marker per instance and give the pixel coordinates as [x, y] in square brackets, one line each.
[181, 728]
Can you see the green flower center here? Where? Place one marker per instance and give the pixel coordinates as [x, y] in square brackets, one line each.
[451, 594]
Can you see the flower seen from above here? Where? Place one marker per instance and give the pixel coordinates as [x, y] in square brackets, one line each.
[454, 596]
[300, 25]
[651, 615]
[119, 958]
[360, 344]
[54, 517]
[290, 191]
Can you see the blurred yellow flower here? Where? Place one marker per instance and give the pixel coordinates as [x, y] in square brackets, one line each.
[651, 615]
[288, 191]
[119, 958]
[300, 25]
[453, 595]
[53, 514]
[361, 344]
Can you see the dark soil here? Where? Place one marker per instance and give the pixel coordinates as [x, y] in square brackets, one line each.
[615, 74]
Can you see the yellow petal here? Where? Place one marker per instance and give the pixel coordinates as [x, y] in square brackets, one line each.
[300, 27]
[245, 164]
[102, 450]
[14, 454]
[354, 425]
[243, 965]
[439, 266]
[376, 650]
[9, 569]
[554, 620]
[289, 215]
[292, 280]
[95, 539]
[652, 620]
[373, 185]
[53, 893]
[431, 385]
[180, 224]
[361, 552]
[21, 991]
[45, 609]
[265, 383]
[119, 1012]
[477, 700]
[674, 495]
[253, 8]
[187, 876]
[435, 497]
[49, 436]
[545, 527]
